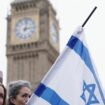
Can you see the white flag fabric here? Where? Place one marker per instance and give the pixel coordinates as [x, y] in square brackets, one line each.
[72, 80]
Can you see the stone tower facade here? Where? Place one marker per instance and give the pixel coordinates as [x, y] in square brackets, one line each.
[32, 40]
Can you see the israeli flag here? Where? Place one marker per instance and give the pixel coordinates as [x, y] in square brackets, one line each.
[72, 80]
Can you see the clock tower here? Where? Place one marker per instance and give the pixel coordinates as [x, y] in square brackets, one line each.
[32, 40]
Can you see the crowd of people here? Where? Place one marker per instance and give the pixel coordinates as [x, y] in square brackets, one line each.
[17, 93]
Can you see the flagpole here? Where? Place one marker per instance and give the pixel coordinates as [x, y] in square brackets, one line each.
[89, 16]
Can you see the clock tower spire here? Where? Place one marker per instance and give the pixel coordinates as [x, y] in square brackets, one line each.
[32, 40]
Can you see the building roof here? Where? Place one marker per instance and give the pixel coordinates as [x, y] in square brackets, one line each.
[19, 1]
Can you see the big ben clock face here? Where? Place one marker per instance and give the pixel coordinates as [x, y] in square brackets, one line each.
[54, 34]
[25, 28]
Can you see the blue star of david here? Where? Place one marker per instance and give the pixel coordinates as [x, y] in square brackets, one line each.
[91, 99]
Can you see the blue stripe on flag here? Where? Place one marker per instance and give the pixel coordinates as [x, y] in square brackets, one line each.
[75, 44]
[49, 95]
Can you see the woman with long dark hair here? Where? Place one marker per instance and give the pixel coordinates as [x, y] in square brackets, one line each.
[2, 94]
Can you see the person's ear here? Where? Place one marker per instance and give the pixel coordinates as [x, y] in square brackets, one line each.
[13, 100]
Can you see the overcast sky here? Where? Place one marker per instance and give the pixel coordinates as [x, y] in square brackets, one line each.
[70, 13]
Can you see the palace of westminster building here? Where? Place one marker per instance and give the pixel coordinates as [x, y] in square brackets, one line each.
[32, 40]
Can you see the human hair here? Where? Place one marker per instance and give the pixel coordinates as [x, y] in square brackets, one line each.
[5, 93]
[14, 88]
